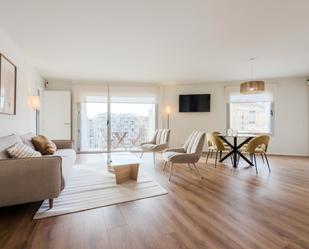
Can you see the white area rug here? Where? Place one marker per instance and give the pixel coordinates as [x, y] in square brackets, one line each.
[91, 188]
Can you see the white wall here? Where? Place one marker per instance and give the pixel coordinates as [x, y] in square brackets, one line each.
[28, 82]
[291, 131]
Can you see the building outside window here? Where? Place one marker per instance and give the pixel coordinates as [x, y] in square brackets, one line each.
[251, 117]
[250, 113]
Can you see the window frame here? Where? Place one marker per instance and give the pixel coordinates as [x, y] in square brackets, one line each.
[272, 118]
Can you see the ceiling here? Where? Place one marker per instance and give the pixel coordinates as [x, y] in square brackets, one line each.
[161, 40]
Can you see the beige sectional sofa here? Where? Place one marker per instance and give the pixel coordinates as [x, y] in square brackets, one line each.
[34, 179]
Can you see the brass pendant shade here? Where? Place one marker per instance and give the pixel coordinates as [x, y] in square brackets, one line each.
[252, 87]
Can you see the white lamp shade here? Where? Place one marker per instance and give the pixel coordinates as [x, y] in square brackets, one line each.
[168, 110]
[35, 102]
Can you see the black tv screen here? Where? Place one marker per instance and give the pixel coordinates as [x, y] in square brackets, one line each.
[194, 103]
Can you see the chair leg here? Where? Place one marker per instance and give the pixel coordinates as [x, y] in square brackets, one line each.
[232, 159]
[262, 158]
[142, 154]
[212, 151]
[238, 160]
[251, 159]
[208, 153]
[197, 171]
[171, 171]
[216, 159]
[154, 158]
[256, 170]
[190, 166]
[267, 163]
[164, 166]
[220, 154]
[51, 203]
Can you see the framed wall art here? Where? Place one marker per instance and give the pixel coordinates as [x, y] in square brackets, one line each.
[8, 75]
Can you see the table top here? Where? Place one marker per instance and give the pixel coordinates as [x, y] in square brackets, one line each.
[238, 135]
[118, 159]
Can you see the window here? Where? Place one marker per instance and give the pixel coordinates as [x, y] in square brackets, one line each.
[250, 113]
[251, 117]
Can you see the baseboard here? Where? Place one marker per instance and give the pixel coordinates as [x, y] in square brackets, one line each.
[287, 155]
[278, 154]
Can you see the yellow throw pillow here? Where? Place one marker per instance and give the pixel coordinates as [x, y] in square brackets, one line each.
[44, 145]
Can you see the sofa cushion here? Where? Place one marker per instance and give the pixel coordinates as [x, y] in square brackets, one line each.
[44, 145]
[19, 150]
[27, 139]
[68, 159]
[6, 142]
[70, 153]
[148, 147]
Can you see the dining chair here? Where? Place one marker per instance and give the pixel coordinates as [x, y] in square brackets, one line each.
[189, 154]
[258, 145]
[158, 143]
[218, 146]
[211, 146]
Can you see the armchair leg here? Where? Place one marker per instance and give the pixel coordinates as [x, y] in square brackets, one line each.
[142, 154]
[171, 171]
[208, 153]
[164, 165]
[51, 203]
[154, 158]
[190, 166]
[262, 158]
[197, 171]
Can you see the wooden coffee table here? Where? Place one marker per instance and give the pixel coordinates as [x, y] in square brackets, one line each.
[124, 165]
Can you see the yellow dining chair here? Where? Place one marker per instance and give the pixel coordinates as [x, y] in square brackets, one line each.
[258, 145]
[211, 147]
[218, 146]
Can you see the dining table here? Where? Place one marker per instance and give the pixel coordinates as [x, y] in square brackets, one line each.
[235, 146]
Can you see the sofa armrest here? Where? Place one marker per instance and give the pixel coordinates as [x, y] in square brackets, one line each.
[64, 144]
[29, 179]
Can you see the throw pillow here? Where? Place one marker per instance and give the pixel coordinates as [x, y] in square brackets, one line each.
[6, 142]
[20, 150]
[44, 145]
[27, 139]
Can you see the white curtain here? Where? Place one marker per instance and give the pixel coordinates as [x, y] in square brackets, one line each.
[118, 93]
[134, 94]
[232, 94]
[90, 93]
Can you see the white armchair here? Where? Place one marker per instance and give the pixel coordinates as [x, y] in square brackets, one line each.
[158, 143]
[190, 153]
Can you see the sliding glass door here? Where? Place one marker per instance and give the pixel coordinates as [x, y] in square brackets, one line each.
[118, 121]
[93, 127]
[131, 124]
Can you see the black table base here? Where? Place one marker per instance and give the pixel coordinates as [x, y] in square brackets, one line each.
[235, 150]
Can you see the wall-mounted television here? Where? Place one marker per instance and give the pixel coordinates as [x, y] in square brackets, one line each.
[194, 103]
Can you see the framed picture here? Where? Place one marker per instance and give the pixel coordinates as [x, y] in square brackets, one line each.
[7, 86]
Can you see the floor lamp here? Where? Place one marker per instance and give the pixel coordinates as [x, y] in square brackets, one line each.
[168, 112]
[36, 105]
